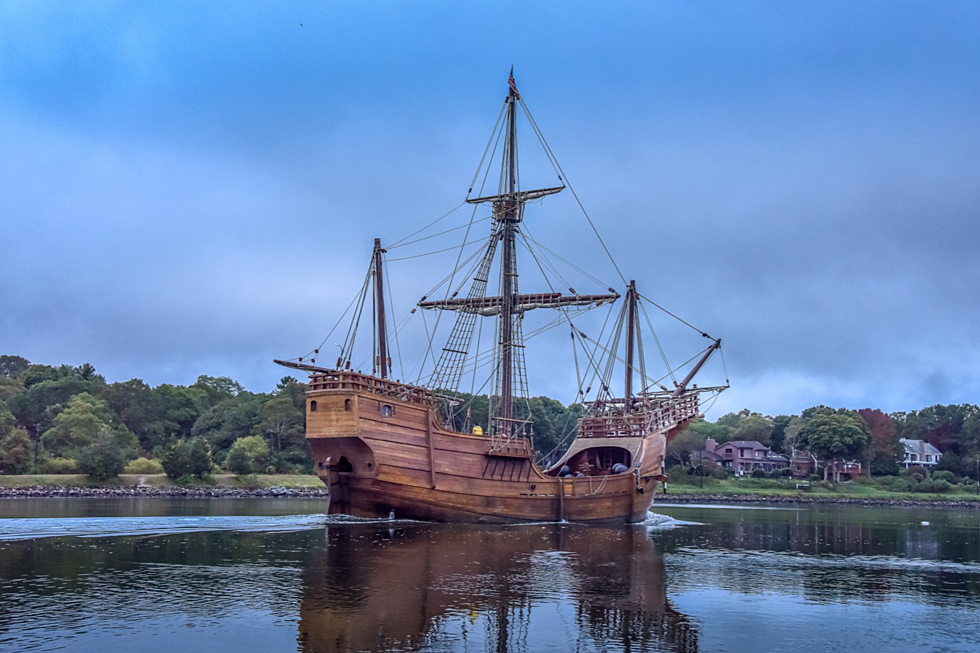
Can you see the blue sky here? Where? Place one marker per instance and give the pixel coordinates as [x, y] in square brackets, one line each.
[193, 188]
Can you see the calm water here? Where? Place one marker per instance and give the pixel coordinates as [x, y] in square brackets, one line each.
[276, 575]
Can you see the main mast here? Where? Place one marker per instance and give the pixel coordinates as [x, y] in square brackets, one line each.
[510, 305]
[508, 211]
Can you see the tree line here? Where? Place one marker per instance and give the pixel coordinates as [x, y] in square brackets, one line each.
[869, 435]
[69, 419]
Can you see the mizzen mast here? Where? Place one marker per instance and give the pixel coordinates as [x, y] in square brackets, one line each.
[382, 360]
[631, 336]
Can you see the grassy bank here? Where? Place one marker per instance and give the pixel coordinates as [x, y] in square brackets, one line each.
[161, 480]
[788, 488]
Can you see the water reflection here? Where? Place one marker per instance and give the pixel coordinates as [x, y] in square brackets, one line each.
[504, 589]
[160, 577]
[832, 555]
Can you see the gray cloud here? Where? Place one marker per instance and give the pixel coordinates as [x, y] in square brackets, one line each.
[186, 192]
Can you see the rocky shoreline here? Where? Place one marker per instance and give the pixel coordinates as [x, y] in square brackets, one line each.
[161, 492]
[170, 491]
[680, 498]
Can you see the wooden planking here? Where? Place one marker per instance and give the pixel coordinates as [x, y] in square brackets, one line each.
[428, 472]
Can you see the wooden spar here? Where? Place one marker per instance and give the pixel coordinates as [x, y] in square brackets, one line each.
[522, 302]
[682, 386]
[380, 303]
[508, 211]
[315, 369]
[630, 337]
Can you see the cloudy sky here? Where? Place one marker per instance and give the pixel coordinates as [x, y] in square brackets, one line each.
[193, 188]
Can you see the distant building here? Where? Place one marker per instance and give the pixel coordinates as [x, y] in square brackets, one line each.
[744, 456]
[838, 468]
[804, 463]
[919, 453]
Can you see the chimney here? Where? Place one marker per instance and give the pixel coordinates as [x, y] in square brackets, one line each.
[710, 444]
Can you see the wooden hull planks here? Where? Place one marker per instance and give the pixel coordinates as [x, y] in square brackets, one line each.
[387, 455]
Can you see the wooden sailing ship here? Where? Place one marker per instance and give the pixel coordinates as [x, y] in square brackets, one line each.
[386, 447]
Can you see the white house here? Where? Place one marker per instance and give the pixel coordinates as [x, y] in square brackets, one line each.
[919, 453]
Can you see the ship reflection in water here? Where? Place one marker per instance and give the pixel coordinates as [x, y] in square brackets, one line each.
[521, 588]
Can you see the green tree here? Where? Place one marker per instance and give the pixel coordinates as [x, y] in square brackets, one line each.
[218, 388]
[105, 457]
[832, 435]
[753, 427]
[37, 406]
[282, 423]
[15, 452]
[683, 448]
[248, 455]
[777, 440]
[717, 430]
[15, 445]
[77, 426]
[296, 391]
[231, 419]
[181, 407]
[139, 408]
[188, 457]
[11, 366]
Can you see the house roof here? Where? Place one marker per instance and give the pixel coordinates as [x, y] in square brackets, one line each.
[918, 446]
[746, 444]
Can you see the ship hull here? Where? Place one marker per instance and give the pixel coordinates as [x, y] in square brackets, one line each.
[384, 454]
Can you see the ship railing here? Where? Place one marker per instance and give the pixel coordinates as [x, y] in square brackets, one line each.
[358, 382]
[511, 437]
[665, 415]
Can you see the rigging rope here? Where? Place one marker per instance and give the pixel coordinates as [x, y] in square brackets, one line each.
[564, 178]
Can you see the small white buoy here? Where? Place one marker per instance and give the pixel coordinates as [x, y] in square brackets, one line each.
[925, 523]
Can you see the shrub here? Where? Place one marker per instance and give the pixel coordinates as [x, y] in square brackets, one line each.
[58, 466]
[103, 458]
[144, 466]
[188, 457]
[292, 461]
[933, 486]
[248, 455]
[896, 483]
[758, 473]
[238, 461]
[678, 476]
[814, 477]
[719, 473]
[943, 475]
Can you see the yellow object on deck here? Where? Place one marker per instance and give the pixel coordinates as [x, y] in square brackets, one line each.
[477, 430]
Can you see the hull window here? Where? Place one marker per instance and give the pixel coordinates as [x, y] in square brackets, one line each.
[347, 405]
[344, 465]
[313, 406]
